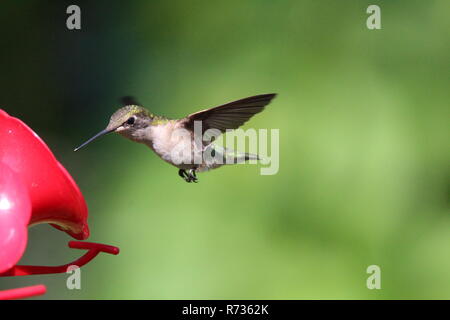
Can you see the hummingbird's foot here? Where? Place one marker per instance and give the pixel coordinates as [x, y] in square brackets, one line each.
[188, 176]
[192, 175]
[182, 173]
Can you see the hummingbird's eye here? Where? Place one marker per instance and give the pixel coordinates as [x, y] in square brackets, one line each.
[131, 120]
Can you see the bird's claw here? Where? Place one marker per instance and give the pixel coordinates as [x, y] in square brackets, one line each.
[188, 176]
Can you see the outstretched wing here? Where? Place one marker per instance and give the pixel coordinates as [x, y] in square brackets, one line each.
[231, 115]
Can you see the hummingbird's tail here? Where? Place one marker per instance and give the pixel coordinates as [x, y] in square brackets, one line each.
[251, 156]
[217, 156]
[231, 156]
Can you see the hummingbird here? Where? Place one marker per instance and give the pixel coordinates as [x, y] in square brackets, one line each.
[186, 135]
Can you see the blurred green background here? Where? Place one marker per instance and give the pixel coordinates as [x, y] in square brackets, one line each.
[363, 118]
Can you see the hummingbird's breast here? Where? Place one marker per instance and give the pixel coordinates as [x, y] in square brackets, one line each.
[174, 144]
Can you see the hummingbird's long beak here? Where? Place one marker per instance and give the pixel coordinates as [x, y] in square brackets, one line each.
[98, 135]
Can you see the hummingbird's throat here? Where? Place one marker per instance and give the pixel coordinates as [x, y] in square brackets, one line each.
[136, 135]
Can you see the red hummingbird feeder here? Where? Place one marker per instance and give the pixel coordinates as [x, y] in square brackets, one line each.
[35, 188]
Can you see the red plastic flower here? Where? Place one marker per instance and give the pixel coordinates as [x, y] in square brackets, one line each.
[36, 188]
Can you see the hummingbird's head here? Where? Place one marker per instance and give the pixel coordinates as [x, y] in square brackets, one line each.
[129, 121]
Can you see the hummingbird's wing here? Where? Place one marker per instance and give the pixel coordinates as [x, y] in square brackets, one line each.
[129, 101]
[229, 116]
